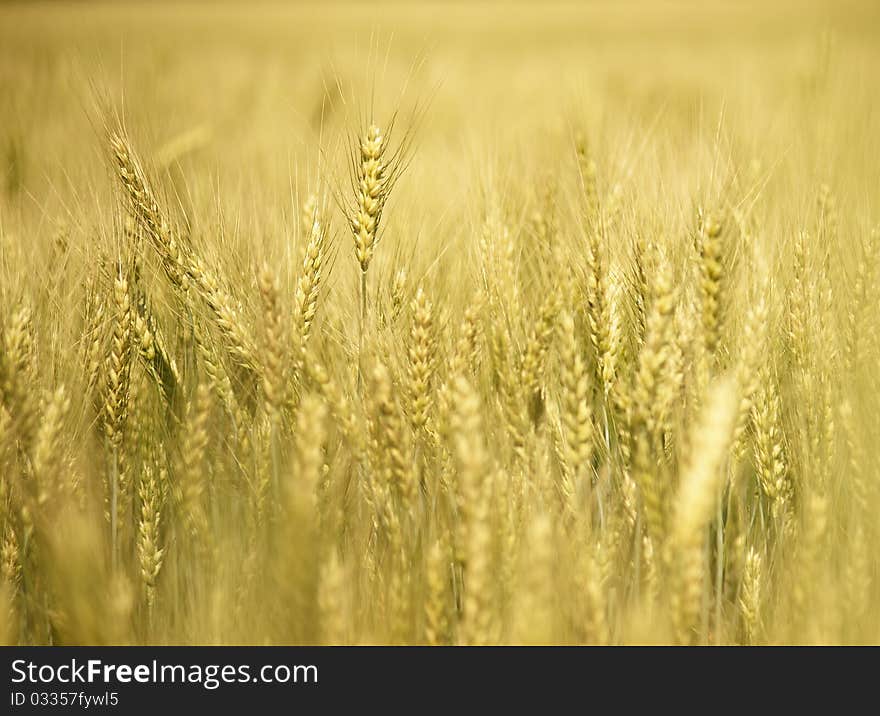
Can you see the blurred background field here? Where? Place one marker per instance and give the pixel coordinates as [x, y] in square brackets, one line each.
[251, 84]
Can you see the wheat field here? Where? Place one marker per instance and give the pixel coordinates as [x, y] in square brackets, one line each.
[439, 324]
